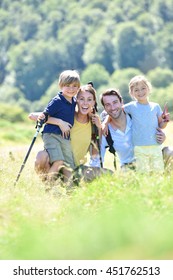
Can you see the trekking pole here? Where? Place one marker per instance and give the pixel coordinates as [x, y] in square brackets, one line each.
[38, 127]
[98, 144]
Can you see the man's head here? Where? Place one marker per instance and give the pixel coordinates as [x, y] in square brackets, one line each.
[112, 102]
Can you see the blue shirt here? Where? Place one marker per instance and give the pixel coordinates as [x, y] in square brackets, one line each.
[144, 122]
[59, 107]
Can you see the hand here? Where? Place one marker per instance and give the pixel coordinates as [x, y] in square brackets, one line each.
[160, 136]
[104, 129]
[96, 120]
[65, 128]
[105, 125]
[165, 114]
[41, 116]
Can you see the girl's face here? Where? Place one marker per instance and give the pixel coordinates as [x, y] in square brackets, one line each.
[140, 92]
[86, 102]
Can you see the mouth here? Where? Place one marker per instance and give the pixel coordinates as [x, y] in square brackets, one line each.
[85, 108]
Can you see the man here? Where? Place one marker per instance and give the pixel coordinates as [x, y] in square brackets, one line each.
[120, 127]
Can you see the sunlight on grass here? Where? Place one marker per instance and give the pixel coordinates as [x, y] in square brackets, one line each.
[124, 216]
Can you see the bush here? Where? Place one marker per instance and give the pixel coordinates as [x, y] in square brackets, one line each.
[12, 113]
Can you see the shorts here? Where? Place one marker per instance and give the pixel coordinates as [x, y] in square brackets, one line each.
[58, 149]
[149, 159]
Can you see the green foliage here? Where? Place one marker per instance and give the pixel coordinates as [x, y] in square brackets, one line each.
[120, 80]
[163, 95]
[12, 113]
[160, 77]
[92, 222]
[39, 39]
[95, 73]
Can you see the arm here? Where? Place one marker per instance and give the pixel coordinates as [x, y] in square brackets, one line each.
[34, 116]
[105, 125]
[64, 126]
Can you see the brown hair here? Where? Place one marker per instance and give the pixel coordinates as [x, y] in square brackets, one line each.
[110, 92]
[89, 88]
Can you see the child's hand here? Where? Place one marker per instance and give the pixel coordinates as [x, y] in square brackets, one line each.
[41, 116]
[105, 126]
[65, 128]
[165, 114]
[104, 129]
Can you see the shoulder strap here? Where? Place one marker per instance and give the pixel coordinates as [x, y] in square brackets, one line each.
[111, 147]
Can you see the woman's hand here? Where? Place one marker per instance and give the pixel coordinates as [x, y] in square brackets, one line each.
[96, 120]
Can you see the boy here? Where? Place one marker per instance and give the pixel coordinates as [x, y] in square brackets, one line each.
[56, 138]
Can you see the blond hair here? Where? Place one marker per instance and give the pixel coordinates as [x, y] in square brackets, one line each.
[137, 79]
[68, 77]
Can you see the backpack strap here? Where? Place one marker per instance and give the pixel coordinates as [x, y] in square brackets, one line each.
[95, 141]
[111, 147]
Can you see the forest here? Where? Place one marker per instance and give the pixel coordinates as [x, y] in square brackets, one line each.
[107, 42]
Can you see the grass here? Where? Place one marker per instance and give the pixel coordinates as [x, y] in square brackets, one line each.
[124, 216]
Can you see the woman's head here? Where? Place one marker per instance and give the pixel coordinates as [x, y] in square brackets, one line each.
[86, 99]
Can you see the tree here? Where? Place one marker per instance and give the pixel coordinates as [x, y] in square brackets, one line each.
[120, 80]
[36, 66]
[160, 77]
[99, 49]
[95, 73]
[135, 47]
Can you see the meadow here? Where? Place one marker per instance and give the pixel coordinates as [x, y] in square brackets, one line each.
[119, 216]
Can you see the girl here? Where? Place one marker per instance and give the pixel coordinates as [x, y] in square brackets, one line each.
[146, 117]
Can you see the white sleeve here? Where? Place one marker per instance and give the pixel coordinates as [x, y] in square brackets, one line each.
[95, 160]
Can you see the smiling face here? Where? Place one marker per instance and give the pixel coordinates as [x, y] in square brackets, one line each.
[85, 101]
[139, 89]
[112, 105]
[69, 90]
[140, 92]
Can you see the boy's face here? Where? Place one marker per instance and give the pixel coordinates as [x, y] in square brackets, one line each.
[70, 90]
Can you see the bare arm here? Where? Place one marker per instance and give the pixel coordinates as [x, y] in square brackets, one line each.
[64, 126]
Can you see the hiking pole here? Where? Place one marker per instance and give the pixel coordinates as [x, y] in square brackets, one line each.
[97, 138]
[38, 127]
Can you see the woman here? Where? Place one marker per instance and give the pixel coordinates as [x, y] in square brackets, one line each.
[80, 133]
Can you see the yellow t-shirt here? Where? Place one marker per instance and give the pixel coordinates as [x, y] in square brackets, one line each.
[80, 141]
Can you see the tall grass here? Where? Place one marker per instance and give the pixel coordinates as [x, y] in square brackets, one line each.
[122, 216]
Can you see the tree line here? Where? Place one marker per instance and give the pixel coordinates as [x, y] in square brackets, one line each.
[107, 42]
